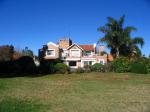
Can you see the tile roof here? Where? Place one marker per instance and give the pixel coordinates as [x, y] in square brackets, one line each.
[87, 47]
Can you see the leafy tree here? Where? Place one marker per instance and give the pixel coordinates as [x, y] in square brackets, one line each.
[6, 52]
[118, 38]
[42, 52]
[27, 52]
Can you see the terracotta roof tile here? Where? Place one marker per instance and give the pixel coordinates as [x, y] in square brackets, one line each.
[87, 47]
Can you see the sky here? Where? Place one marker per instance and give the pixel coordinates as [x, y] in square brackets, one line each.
[34, 23]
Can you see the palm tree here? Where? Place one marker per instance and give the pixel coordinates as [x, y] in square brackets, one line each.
[118, 38]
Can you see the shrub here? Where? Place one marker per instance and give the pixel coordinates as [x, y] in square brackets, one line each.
[46, 67]
[97, 67]
[27, 65]
[145, 61]
[61, 68]
[121, 65]
[79, 70]
[108, 67]
[20, 67]
[139, 67]
[87, 68]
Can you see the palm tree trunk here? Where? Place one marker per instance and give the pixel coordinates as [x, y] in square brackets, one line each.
[117, 52]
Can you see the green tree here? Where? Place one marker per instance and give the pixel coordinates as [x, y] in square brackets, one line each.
[118, 38]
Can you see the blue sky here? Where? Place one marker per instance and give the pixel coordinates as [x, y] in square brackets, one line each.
[33, 23]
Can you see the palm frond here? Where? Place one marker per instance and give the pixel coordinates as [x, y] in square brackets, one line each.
[103, 29]
[121, 21]
[129, 29]
[111, 20]
[138, 40]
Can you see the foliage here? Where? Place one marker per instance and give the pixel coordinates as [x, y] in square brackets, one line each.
[146, 62]
[61, 68]
[121, 65]
[118, 38]
[46, 67]
[79, 70]
[23, 66]
[108, 67]
[27, 52]
[6, 52]
[42, 51]
[139, 67]
[97, 67]
[87, 68]
[27, 65]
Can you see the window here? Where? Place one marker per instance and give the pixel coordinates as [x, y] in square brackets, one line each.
[87, 63]
[72, 63]
[75, 53]
[51, 52]
[102, 61]
[87, 53]
[64, 53]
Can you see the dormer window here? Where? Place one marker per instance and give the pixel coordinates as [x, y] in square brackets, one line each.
[50, 52]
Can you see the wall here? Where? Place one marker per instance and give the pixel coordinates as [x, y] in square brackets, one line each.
[57, 52]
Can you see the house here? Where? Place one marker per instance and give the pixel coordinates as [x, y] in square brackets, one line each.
[74, 55]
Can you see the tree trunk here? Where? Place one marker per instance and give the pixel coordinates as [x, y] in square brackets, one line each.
[117, 53]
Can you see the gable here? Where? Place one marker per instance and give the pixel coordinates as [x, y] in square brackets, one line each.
[52, 44]
[74, 46]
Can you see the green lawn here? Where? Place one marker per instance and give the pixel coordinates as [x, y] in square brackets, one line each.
[89, 92]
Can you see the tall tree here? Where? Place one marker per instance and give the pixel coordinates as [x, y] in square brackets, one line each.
[118, 38]
[6, 52]
[27, 52]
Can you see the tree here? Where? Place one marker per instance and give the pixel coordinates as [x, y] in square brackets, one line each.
[118, 38]
[42, 51]
[27, 52]
[6, 52]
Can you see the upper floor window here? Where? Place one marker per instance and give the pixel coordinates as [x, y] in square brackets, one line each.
[87, 53]
[51, 52]
[75, 53]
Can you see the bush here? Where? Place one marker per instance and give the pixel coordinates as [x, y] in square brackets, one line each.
[108, 67]
[87, 68]
[145, 61]
[46, 67]
[121, 65]
[20, 67]
[61, 68]
[139, 67]
[97, 67]
[27, 65]
[79, 70]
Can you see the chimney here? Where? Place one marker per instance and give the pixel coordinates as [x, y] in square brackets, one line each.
[64, 43]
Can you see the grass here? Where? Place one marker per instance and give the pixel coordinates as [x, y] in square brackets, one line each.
[87, 92]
